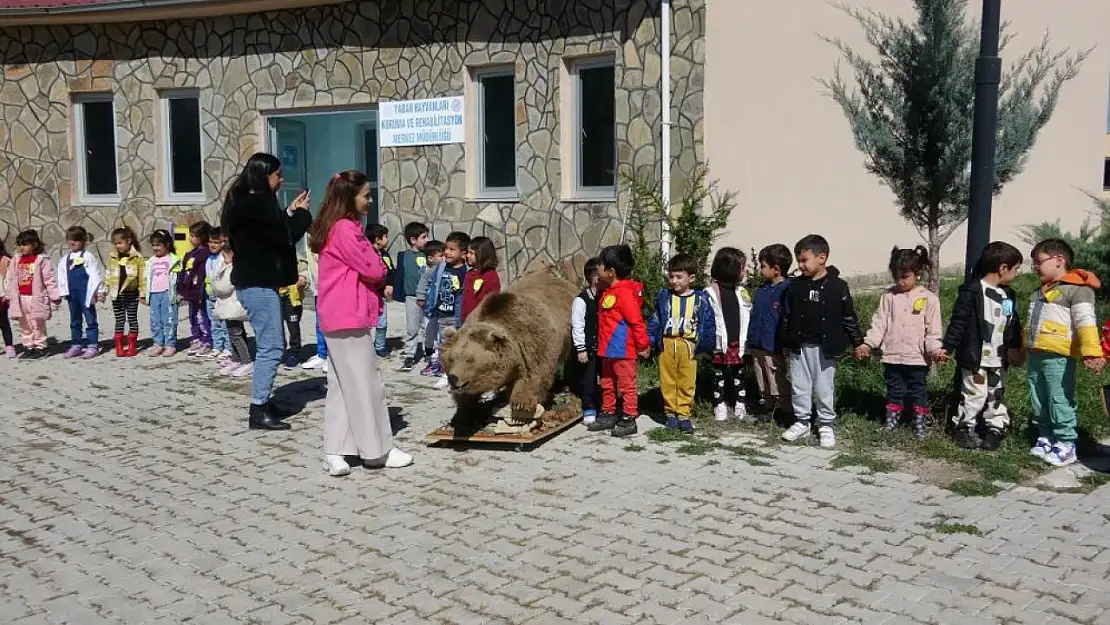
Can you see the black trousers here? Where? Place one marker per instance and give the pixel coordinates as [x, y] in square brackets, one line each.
[905, 385]
[582, 379]
[6, 328]
[292, 315]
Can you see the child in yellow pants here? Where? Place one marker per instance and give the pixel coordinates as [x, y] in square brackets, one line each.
[682, 327]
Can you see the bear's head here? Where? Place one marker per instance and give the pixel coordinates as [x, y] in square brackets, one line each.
[478, 359]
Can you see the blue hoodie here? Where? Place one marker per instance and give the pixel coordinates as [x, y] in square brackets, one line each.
[766, 308]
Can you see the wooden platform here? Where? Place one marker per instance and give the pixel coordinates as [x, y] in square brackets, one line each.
[444, 435]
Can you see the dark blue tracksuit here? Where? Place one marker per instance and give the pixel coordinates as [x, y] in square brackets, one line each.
[78, 279]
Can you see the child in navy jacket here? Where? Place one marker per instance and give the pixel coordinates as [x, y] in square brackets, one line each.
[762, 340]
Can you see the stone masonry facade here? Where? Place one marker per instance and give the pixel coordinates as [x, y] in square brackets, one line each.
[342, 55]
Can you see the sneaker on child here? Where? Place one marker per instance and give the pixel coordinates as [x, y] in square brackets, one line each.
[1041, 447]
[799, 430]
[1061, 454]
[826, 436]
[314, 363]
[720, 412]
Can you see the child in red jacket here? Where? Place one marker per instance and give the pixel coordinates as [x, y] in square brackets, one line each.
[621, 337]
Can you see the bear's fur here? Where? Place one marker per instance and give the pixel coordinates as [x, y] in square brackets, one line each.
[513, 341]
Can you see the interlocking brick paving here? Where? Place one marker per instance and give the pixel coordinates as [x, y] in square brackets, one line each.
[131, 492]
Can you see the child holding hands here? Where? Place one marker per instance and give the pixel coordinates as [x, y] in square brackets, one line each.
[31, 289]
[622, 336]
[1062, 330]
[907, 330]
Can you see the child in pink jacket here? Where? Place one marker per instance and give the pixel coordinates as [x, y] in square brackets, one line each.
[31, 288]
[907, 329]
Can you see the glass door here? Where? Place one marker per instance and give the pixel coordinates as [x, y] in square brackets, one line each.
[287, 141]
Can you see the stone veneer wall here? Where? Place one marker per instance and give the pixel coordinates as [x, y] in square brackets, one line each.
[339, 55]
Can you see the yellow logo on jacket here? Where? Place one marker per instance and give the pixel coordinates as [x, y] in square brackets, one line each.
[478, 284]
[1052, 295]
[608, 301]
[454, 282]
[189, 264]
[76, 261]
[421, 261]
[919, 304]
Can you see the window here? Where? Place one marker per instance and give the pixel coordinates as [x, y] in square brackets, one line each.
[182, 167]
[94, 118]
[593, 87]
[496, 92]
[1106, 174]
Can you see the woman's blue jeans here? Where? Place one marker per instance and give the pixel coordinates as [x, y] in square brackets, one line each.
[264, 313]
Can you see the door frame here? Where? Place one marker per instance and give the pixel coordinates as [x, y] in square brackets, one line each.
[369, 107]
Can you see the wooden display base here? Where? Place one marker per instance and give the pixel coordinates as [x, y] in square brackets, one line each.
[552, 422]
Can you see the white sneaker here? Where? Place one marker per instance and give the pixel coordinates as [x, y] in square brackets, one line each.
[442, 382]
[229, 368]
[397, 459]
[243, 371]
[799, 430]
[1061, 454]
[325, 368]
[336, 466]
[589, 418]
[720, 412]
[740, 411]
[1041, 448]
[314, 363]
[826, 436]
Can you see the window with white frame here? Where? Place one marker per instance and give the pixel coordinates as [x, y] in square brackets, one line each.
[94, 130]
[593, 94]
[496, 132]
[181, 163]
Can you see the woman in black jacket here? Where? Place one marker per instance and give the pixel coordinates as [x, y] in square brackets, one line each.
[263, 238]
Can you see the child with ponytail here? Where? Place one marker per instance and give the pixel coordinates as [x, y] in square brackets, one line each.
[907, 330]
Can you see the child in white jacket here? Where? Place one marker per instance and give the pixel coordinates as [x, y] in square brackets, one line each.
[232, 312]
[732, 310]
[80, 282]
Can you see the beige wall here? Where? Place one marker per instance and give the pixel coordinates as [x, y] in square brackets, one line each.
[786, 149]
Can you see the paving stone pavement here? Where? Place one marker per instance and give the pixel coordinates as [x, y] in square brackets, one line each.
[131, 492]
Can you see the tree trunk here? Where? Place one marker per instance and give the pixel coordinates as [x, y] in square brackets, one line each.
[934, 241]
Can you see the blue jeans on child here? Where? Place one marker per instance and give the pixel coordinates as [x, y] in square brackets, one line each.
[264, 313]
[321, 345]
[379, 335]
[78, 313]
[163, 319]
[221, 342]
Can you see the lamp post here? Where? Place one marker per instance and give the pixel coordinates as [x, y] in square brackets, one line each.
[988, 73]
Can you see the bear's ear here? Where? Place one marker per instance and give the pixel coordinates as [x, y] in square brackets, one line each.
[449, 333]
[498, 337]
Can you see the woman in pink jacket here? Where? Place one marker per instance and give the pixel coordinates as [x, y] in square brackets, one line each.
[31, 288]
[906, 328]
[356, 420]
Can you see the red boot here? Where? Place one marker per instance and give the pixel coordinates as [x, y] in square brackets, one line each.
[119, 345]
[132, 344]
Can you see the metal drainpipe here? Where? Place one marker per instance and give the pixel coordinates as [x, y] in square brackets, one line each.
[665, 88]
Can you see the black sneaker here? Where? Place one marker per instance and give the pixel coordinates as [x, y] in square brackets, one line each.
[624, 427]
[602, 422]
[291, 361]
[407, 365]
[993, 439]
[966, 438]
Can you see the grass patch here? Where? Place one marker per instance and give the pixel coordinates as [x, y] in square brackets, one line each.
[634, 447]
[947, 527]
[667, 435]
[974, 488]
[869, 462]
